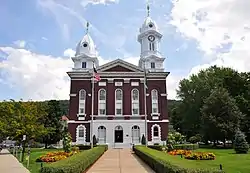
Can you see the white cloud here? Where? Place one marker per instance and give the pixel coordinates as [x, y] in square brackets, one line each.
[69, 52]
[221, 29]
[95, 2]
[36, 76]
[20, 43]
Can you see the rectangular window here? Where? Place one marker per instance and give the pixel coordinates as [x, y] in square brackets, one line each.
[152, 65]
[84, 64]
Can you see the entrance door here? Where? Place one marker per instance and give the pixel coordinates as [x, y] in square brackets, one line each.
[135, 134]
[118, 134]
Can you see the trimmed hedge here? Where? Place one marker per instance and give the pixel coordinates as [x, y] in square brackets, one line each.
[83, 147]
[160, 165]
[186, 146]
[156, 147]
[76, 163]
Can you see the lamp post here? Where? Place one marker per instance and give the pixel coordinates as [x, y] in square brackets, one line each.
[145, 104]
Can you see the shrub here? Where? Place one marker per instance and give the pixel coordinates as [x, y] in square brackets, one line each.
[194, 139]
[67, 139]
[240, 144]
[143, 140]
[84, 147]
[186, 146]
[161, 164]
[158, 147]
[77, 163]
[94, 140]
[175, 138]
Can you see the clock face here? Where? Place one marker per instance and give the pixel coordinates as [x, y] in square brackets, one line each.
[151, 38]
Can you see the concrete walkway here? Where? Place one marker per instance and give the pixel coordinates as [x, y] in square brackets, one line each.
[9, 164]
[119, 161]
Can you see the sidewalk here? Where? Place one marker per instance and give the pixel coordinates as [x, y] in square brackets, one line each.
[119, 161]
[9, 164]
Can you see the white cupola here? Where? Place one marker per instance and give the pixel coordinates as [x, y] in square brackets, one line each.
[149, 38]
[86, 53]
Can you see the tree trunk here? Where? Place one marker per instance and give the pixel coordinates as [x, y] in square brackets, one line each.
[46, 145]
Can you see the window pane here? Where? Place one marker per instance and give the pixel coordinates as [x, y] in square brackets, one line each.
[84, 64]
[135, 111]
[152, 65]
[156, 131]
[102, 95]
[82, 95]
[118, 111]
[81, 110]
[154, 95]
[118, 95]
[135, 94]
[102, 111]
[81, 132]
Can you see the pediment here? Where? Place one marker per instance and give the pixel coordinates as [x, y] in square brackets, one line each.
[119, 65]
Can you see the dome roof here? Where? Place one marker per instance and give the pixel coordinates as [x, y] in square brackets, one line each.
[148, 24]
[86, 46]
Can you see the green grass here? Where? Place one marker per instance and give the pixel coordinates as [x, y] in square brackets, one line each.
[34, 166]
[231, 162]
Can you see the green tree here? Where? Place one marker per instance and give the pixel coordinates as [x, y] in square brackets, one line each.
[240, 144]
[220, 115]
[193, 91]
[52, 122]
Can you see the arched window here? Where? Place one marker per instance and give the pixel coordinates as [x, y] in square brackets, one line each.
[135, 102]
[101, 134]
[154, 98]
[118, 102]
[82, 101]
[102, 102]
[156, 131]
[80, 134]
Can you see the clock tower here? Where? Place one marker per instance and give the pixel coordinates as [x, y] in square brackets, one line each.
[149, 38]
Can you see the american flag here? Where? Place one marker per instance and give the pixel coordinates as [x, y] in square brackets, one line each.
[96, 75]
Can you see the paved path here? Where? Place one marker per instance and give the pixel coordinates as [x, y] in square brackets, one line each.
[119, 161]
[9, 164]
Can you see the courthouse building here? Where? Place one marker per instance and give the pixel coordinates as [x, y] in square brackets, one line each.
[118, 97]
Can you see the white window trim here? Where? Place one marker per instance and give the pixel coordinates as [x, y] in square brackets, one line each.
[156, 138]
[135, 101]
[154, 102]
[81, 116]
[119, 101]
[102, 101]
[77, 134]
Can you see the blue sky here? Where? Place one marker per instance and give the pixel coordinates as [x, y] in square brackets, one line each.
[35, 34]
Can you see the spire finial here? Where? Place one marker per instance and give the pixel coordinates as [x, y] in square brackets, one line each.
[87, 26]
[148, 8]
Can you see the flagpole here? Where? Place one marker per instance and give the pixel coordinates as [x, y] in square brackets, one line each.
[92, 107]
[145, 106]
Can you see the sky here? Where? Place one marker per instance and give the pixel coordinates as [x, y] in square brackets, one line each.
[38, 37]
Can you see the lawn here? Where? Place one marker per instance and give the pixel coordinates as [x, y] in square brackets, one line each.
[34, 166]
[231, 162]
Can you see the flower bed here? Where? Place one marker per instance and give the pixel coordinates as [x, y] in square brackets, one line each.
[193, 155]
[200, 156]
[180, 152]
[55, 156]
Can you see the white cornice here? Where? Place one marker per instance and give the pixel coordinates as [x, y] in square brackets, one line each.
[119, 62]
[117, 121]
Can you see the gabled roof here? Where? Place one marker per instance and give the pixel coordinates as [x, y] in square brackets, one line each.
[119, 65]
